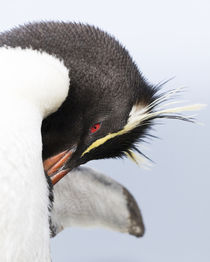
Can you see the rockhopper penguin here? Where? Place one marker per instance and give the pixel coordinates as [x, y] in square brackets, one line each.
[105, 108]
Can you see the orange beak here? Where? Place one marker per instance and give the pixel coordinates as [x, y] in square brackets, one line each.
[53, 166]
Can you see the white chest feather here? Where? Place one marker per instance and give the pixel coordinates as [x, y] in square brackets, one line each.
[32, 85]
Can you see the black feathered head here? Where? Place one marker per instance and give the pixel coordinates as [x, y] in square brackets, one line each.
[109, 108]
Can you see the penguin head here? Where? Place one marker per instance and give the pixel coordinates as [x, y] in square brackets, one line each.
[110, 106]
[106, 93]
[95, 119]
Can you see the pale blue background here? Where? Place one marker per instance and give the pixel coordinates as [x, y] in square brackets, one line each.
[166, 39]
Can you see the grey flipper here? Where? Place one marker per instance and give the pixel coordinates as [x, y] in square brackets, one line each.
[87, 198]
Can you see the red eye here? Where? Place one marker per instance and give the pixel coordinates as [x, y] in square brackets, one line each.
[95, 128]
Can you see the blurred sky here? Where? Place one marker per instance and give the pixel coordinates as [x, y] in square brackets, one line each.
[166, 39]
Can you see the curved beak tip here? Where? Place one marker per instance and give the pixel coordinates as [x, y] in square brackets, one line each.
[54, 166]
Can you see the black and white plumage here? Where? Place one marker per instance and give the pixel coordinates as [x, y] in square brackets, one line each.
[107, 108]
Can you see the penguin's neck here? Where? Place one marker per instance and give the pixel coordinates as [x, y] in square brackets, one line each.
[28, 86]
